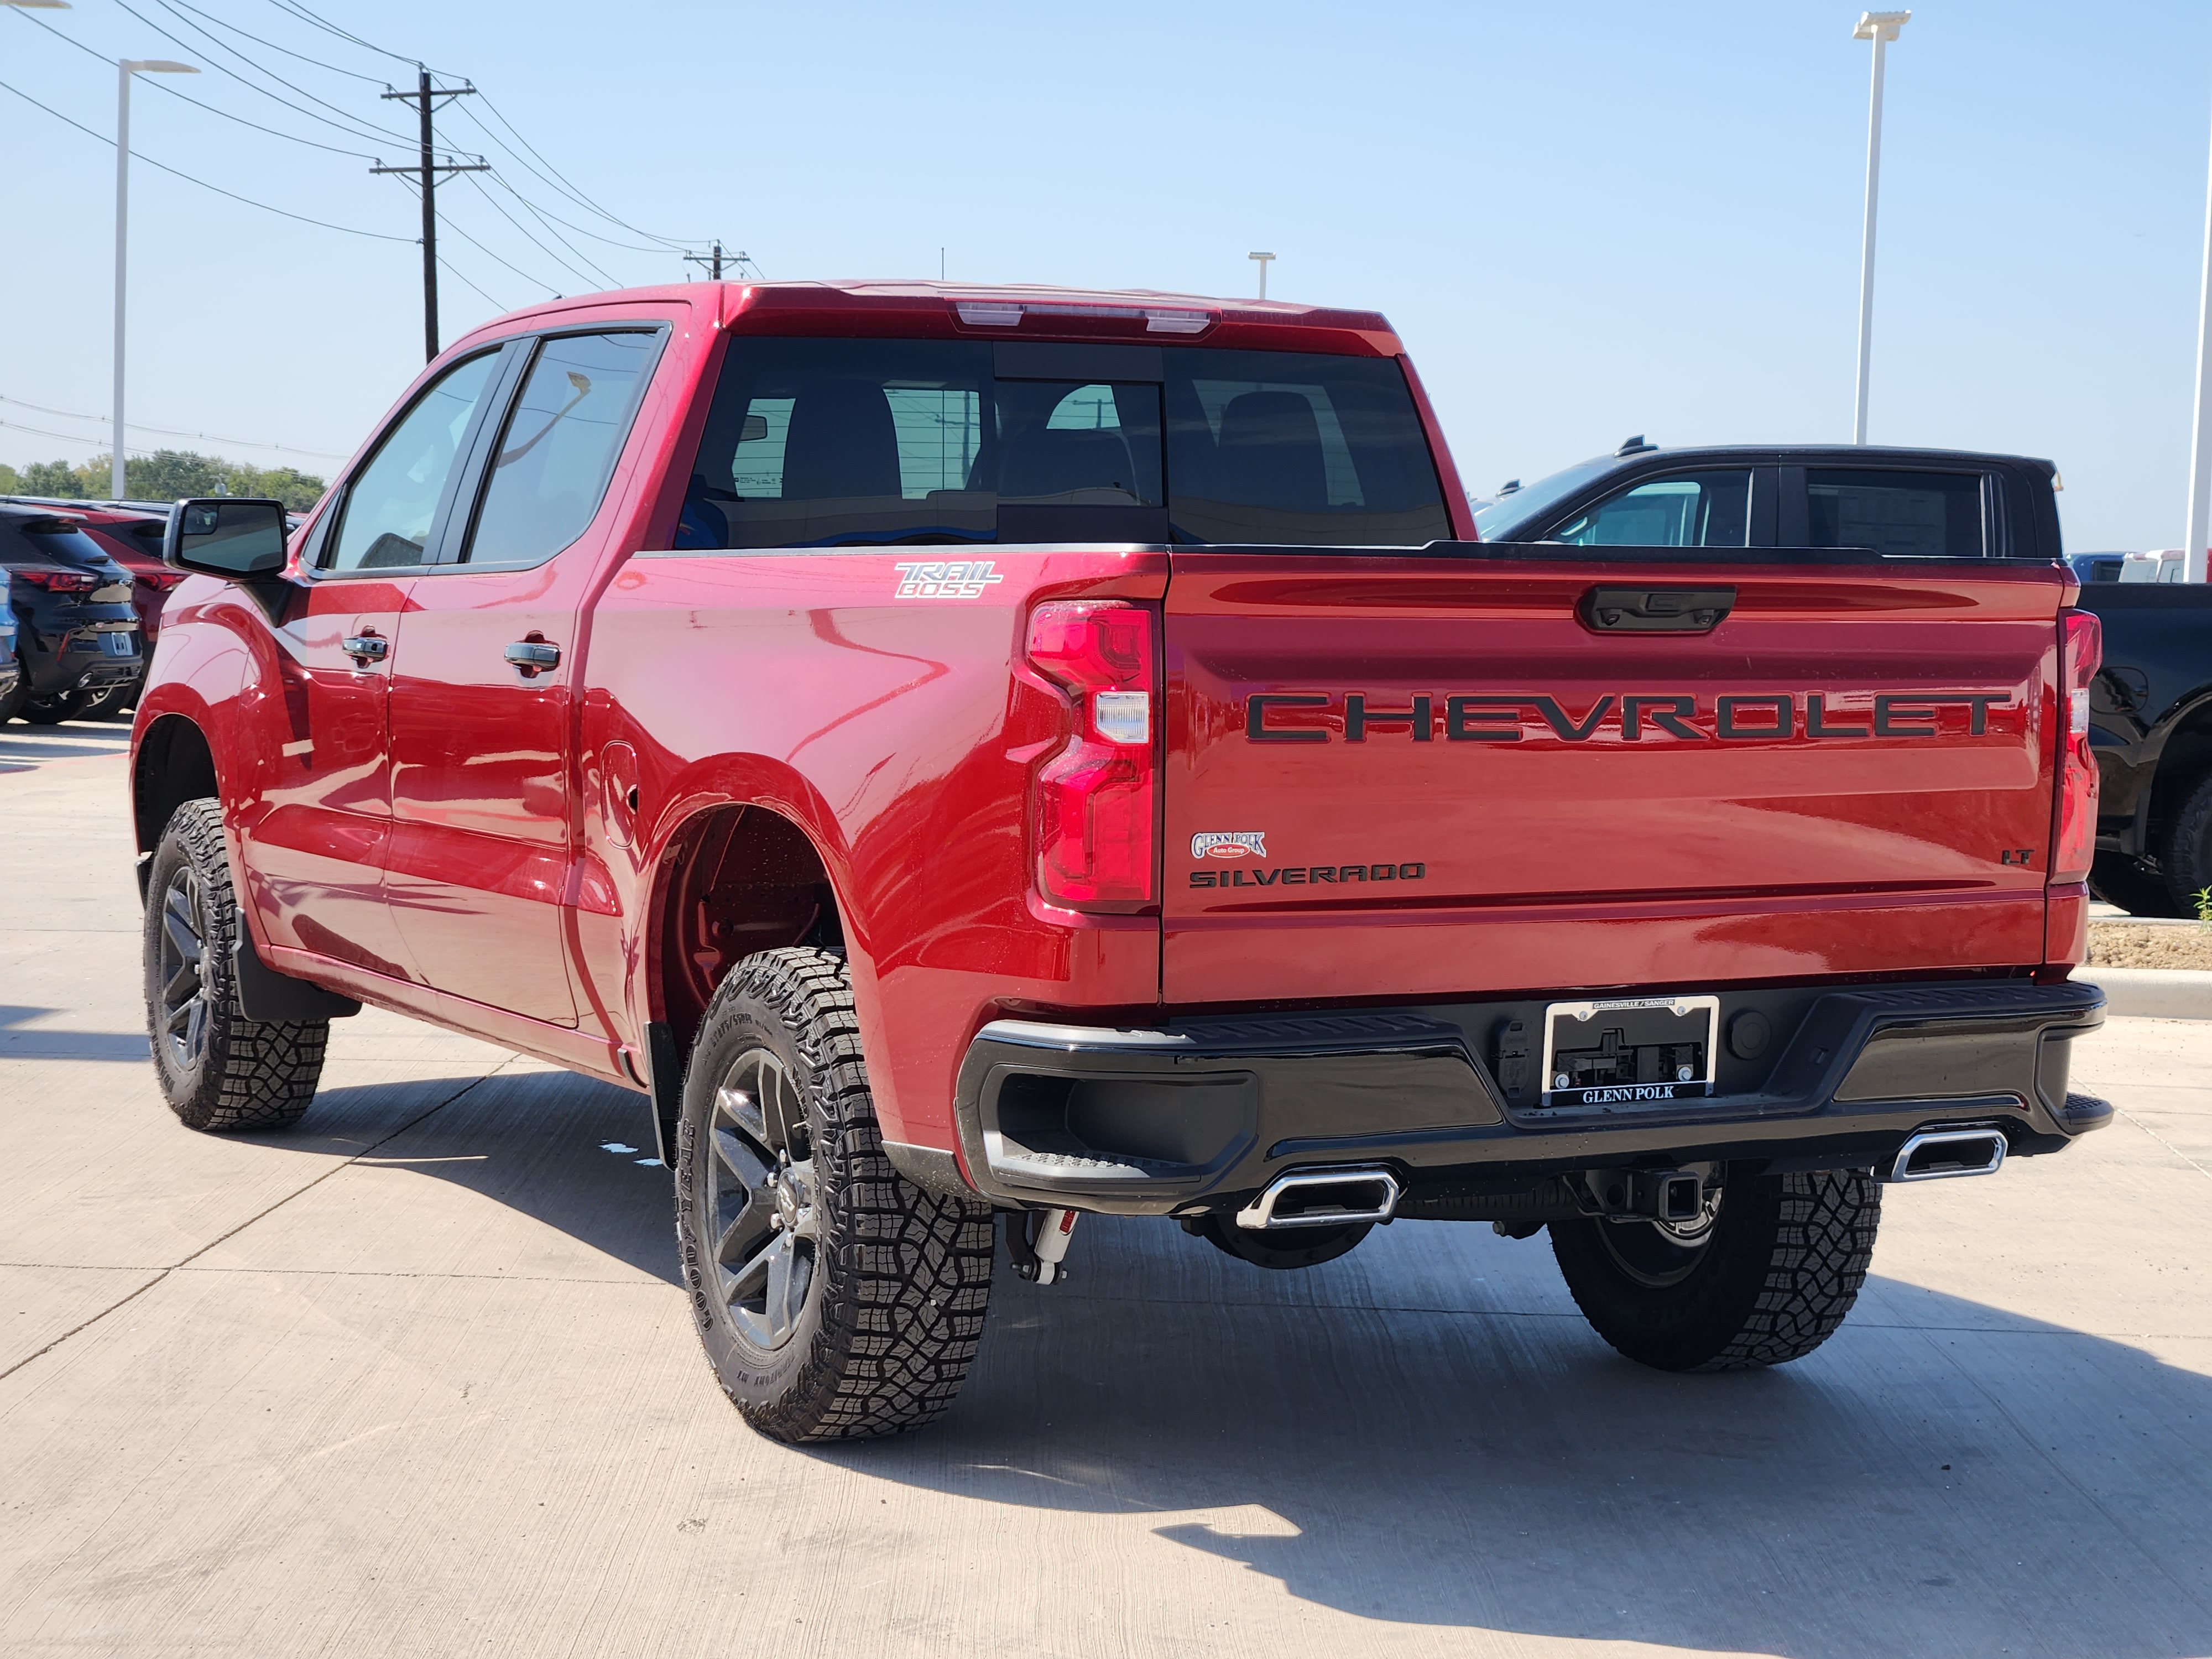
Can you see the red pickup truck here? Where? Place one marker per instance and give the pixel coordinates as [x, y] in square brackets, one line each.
[1022, 752]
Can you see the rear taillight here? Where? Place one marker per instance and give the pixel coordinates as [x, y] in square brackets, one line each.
[1095, 847]
[60, 581]
[2082, 652]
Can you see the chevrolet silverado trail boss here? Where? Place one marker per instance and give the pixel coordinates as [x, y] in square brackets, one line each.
[1024, 752]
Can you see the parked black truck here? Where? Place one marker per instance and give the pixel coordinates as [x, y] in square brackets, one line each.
[2150, 708]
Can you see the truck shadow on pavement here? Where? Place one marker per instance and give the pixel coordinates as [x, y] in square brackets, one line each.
[36, 1042]
[1426, 1433]
[563, 1149]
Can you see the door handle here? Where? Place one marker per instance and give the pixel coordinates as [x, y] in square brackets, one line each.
[533, 656]
[365, 648]
[1656, 610]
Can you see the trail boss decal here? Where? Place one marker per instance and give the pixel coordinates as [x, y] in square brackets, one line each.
[946, 579]
[1633, 717]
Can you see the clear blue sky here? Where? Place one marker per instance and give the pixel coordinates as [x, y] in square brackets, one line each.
[1587, 219]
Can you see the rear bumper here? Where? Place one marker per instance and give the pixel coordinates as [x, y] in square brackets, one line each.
[1201, 1114]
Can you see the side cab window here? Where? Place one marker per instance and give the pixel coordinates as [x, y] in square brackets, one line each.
[546, 473]
[395, 504]
[1716, 506]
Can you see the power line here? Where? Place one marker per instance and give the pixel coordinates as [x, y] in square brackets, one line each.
[571, 189]
[138, 156]
[163, 86]
[358, 128]
[455, 271]
[70, 438]
[445, 220]
[170, 432]
[573, 270]
[373, 80]
[329, 27]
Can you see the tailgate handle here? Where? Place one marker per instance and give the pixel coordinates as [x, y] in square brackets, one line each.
[1656, 610]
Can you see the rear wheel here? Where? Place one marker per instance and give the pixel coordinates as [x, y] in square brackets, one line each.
[2189, 849]
[218, 1069]
[1764, 1276]
[12, 701]
[2118, 879]
[51, 711]
[835, 1299]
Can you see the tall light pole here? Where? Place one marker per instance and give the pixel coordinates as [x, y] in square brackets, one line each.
[124, 69]
[2200, 434]
[1880, 27]
[1263, 258]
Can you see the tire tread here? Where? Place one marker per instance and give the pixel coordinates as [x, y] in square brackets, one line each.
[905, 1273]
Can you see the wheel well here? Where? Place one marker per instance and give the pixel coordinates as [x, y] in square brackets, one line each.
[740, 879]
[175, 766]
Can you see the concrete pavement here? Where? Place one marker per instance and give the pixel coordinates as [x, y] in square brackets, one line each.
[415, 1379]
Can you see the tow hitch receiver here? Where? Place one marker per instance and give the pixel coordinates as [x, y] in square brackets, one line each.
[1675, 1195]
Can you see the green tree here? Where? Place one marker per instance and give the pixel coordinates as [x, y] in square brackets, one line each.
[166, 475]
[50, 478]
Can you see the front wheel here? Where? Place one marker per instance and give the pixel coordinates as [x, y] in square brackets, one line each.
[1764, 1276]
[218, 1069]
[835, 1299]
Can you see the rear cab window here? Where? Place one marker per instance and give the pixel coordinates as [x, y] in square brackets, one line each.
[1920, 514]
[818, 443]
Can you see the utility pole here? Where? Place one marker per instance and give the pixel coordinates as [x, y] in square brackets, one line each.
[715, 261]
[1880, 27]
[1263, 258]
[426, 172]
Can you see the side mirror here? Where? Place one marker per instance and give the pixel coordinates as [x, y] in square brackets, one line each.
[226, 536]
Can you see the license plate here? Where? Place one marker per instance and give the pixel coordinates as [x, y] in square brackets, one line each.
[1631, 1051]
[119, 645]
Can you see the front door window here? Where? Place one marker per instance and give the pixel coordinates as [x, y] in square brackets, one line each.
[1687, 509]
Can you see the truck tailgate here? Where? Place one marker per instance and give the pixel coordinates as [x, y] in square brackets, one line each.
[1434, 776]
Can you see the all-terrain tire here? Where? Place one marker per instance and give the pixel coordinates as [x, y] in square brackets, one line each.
[2118, 879]
[2188, 858]
[898, 1279]
[218, 1070]
[51, 711]
[1782, 1268]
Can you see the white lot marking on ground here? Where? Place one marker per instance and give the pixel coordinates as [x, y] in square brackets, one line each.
[615, 1146]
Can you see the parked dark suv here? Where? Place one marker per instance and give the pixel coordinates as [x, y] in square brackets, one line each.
[1931, 502]
[77, 632]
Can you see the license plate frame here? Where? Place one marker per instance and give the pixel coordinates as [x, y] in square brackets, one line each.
[1673, 1021]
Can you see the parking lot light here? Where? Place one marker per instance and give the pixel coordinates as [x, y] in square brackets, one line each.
[124, 69]
[1880, 27]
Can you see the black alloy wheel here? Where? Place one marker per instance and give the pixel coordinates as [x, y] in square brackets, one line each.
[761, 1197]
[180, 1010]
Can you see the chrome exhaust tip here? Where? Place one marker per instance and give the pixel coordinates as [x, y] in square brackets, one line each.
[1939, 1154]
[1322, 1198]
